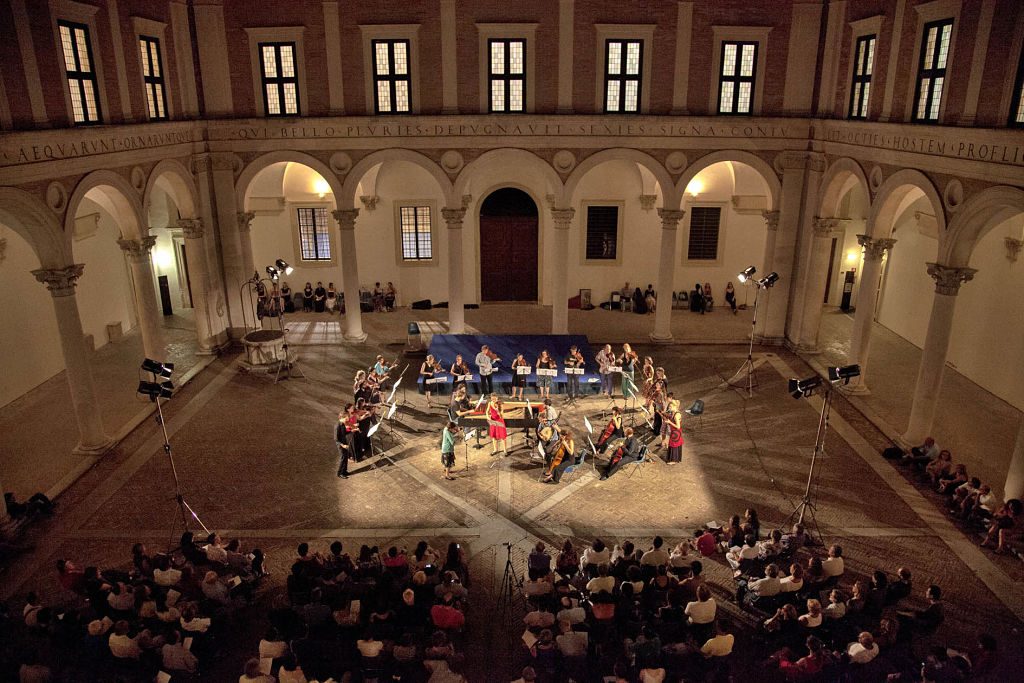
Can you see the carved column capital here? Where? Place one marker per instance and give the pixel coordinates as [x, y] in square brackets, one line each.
[563, 218]
[245, 220]
[647, 201]
[670, 218]
[948, 278]
[771, 220]
[1013, 246]
[370, 201]
[453, 217]
[60, 281]
[823, 227]
[874, 247]
[137, 250]
[346, 218]
[191, 227]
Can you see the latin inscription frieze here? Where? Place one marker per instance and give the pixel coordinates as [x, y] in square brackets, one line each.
[65, 145]
[961, 144]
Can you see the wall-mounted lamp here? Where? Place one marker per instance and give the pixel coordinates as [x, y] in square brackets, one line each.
[852, 256]
[694, 188]
[321, 187]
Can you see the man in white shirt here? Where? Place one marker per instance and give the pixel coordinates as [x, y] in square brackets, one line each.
[833, 565]
[121, 645]
[704, 609]
[749, 551]
[606, 359]
[485, 361]
[176, 658]
[864, 650]
[656, 556]
[215, 551]
[571, 643]
[720, 645]
[570, 612]
[602, 583]
[762, 588]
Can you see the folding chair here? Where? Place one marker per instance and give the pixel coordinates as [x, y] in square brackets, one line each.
[616, 301]
[575, 467]
[697, 411]
[640, 461]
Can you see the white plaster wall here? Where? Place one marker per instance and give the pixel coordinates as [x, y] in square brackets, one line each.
[30, 350]
[906, 299]
[273, 238]
[163, 217]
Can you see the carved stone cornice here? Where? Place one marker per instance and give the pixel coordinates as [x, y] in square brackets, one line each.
[191, 227]
[245, 220]
[771, 220]
[563, 218]
[60, 281]
[466, 200]
[224, 161]
[647, 201]
[346, 218]
[453, 217]
[137, 250]
[370, 201]
[874, 247]
[823, 227]
[949, 278]
[670, 218]
[201, 162]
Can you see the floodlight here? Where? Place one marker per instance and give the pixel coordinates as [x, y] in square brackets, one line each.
[155, 390]
[768, 280]
[283, 266]
[802, 388]
[843, 373]
[746, 274]
[272, 272]
[155, 367]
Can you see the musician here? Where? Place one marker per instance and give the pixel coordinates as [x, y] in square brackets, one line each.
[496, 425]
[518, 381]
[659, 388]
[564, 454]
[345, 440]
[626, 453]
[628, 360]
[647, 374]
[612, 430]
[364, 414]
[485, 362]
[381, 368]
[428, 370]
[573, 360]
[605, 360]
[459, 405]
[675, 436]
[661, 419]
[459, 369]
[451, 430]
[363, 387]
[544, 382]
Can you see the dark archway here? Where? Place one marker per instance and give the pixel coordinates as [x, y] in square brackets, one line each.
[508, 246]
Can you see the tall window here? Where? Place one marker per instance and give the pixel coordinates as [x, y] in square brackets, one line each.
[704, 226]
[80, 72]
[736, 79]
[1017, 105]
[314, 240]
[507, 75]
[280, 79]
[416, 245]
[392, 84]
[931, 70]
[153, 77]
[622, 63]
[602, 232]
[864, 58]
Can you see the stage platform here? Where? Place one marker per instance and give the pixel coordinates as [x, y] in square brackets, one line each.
[445, 347]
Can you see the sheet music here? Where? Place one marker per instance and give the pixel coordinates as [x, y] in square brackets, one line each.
[614, 368]
[525, 370]
[547, 372]
[573, 371]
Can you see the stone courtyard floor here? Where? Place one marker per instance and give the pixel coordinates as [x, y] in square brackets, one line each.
[257, 461]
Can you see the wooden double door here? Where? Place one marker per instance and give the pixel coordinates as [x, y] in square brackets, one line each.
[508, 258]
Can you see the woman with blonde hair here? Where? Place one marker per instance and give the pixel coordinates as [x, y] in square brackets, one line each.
[496, 425]
[628, 363]
[675, 433]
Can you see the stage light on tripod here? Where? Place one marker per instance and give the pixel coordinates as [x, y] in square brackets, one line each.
[155, 367]
[747, 274]
[283, 266]
[845, 373]
[768, 280]
[272, 272]
[802, 388]
[155, 390]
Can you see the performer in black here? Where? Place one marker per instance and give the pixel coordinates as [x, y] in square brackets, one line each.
[573, 360]
[628, 452]
[459, 369]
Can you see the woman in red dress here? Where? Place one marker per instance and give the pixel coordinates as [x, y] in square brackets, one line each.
[496, 425]
[675, 434]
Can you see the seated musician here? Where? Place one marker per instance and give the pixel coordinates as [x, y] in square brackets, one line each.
[460, 404]
[563, 455]
[459, 368]
[628, 452]
[611, 431]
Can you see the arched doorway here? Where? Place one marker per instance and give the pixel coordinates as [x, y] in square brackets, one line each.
[508, 246]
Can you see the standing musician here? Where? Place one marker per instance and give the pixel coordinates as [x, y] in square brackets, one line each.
[364, 414]
[496, 425]
[345, 439]
[544, 381]
[659, 388]
[612, 430]
[363, 386]
[661, 423]
[573, 360]
[518, 381]
[459, 369]
[605, 360]
[428, 370]
[628, 360]
[647, 373]
[485, 362]
[674, 419]
[448, 448]
[626, 453]
[381, 368]
[564, 448]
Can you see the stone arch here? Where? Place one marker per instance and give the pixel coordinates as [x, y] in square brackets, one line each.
[121, 196]
[762, 167]
[518, 158]
[263, 161]
[976, 217]
[890, 197]
[175, 179]
[669, 193]
[347, 196]
[838, 178]
[36, 224]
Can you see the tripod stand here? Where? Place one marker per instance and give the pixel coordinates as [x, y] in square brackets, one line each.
[806, 504]
[748, 364]
[510, 583]
[183, 505]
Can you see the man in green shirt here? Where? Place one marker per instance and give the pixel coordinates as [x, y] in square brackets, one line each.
[448, 448]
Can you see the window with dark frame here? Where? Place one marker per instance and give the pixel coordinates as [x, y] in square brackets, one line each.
[602, 233]
[153, 78]
[280, 79]
[931, 70]
[736, 77]
[416, 240]
[705, 222]
[507, 75]
[392, 84]
[623, 63]
[314, 240]
[80, 72]
[864, 57]
[1017, 105]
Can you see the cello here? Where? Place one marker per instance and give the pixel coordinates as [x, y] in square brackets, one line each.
[565, 446]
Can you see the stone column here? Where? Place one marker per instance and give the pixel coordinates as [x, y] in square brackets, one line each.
[813, 165]
[199, 281]
[771, 222]
[61, 282]
[666, 273]
[936, 344]
[775, 302]
[817, 271]
[350, 274]
[1014, 486]
[139, 258]
[245, 242]
[220, 303]
[560, 262]
[456, 297]
[864, 317]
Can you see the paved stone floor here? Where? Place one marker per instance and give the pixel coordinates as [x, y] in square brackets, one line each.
[257, 461]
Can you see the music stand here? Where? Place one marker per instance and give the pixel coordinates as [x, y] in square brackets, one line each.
[465, 443]
[383, 453]
[479, 443]
[634, 392]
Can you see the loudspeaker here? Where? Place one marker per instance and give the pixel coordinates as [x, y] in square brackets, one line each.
[421, 305]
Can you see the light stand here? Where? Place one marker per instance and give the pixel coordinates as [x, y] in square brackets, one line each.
[748, 365]
[510, 582]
